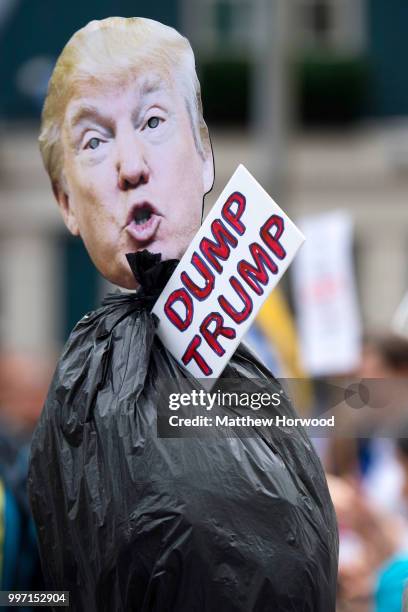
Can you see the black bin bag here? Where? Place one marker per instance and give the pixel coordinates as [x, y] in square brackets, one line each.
[128, 520]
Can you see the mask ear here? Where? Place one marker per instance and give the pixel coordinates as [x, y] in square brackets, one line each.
[67, 211]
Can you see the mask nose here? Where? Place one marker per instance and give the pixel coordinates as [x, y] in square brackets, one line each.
[132, 166]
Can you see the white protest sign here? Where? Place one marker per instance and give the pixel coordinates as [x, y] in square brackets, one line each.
[236, 258]
[325, 295]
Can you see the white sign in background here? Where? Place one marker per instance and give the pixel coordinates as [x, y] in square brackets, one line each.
[325, 296]
[238, 256]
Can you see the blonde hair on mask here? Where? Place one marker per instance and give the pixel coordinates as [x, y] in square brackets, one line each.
[112, 51]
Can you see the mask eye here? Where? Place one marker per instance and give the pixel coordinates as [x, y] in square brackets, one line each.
[153, 122]
[93, 143]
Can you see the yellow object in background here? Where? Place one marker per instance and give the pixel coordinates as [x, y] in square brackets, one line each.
[277, 324]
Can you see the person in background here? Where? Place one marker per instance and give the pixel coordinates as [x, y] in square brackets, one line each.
[24, 381]
[384, 366]
[392, 577]
[371, 494]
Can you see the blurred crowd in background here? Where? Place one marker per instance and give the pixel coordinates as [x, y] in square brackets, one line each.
[312, 96]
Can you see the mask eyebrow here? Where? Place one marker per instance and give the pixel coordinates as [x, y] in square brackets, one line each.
[152, 84]
[87, 112]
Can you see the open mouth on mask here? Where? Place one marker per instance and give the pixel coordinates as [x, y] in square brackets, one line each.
[143, 222]
[141, 215]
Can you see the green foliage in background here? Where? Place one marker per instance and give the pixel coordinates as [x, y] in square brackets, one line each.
[225, 87]
[332, 89]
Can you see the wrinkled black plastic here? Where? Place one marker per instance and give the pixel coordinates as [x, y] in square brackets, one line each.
[130, 521]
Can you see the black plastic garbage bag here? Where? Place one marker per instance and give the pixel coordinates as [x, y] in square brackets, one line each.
[131, 521]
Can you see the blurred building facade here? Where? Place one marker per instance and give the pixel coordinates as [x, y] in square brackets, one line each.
[325, 128]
